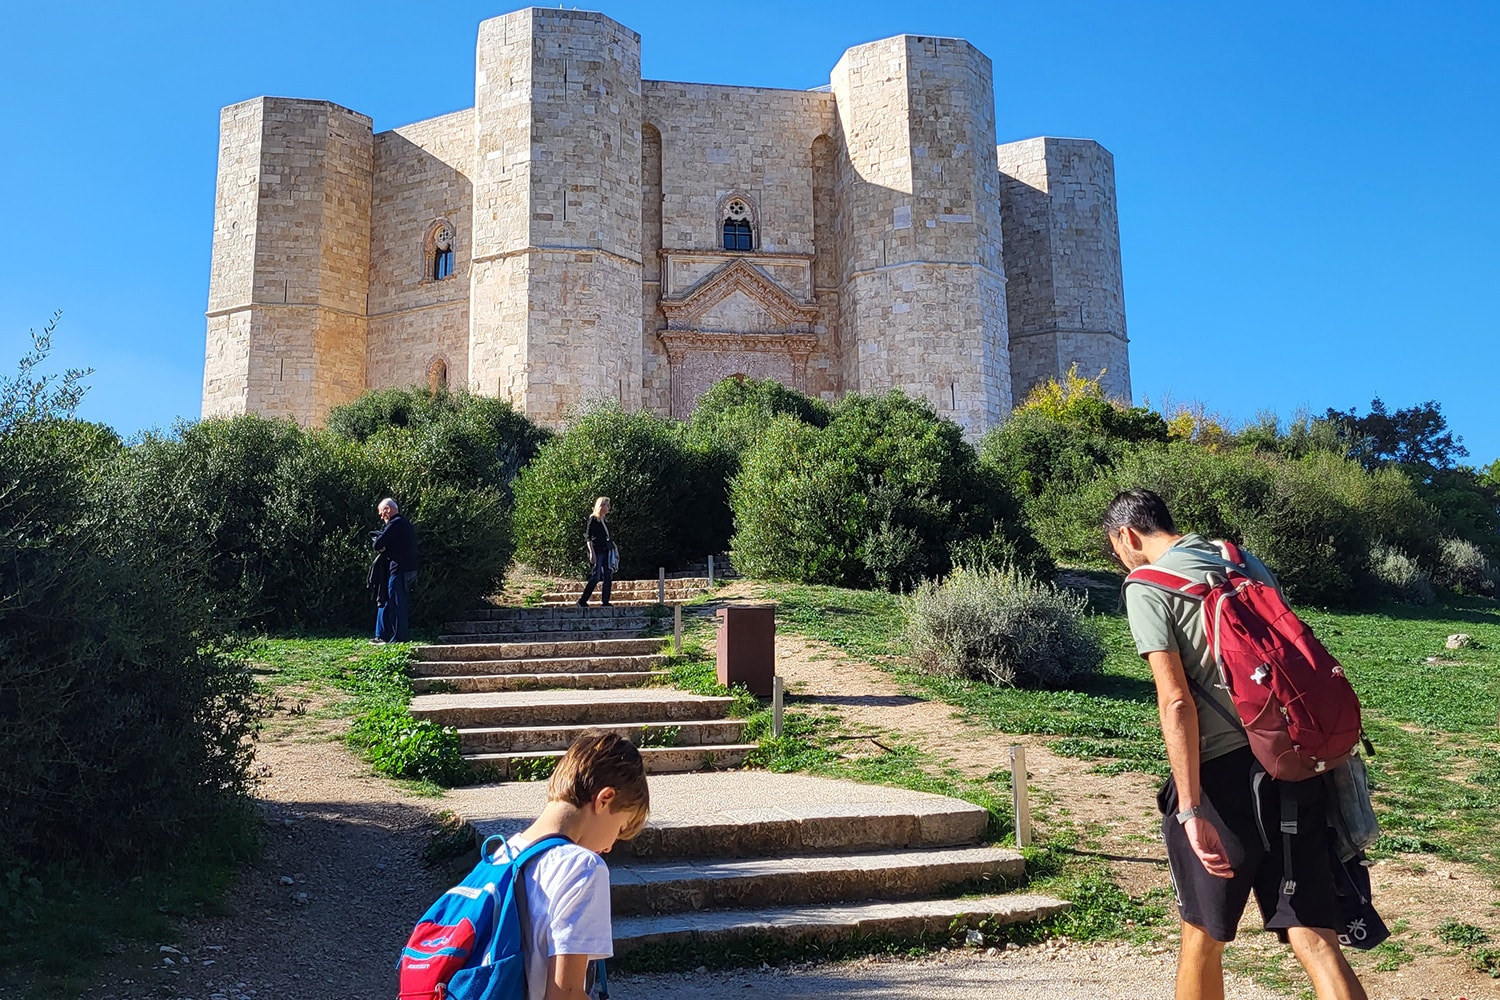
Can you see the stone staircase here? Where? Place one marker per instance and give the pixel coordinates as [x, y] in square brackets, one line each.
[520, 684]
[736, 860]
[631, 593]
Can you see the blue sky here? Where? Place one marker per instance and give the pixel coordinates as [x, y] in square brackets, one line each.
[1309, 192]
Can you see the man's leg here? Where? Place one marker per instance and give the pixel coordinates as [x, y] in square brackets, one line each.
[395, 611]
[1200, 966]
[1320, 954]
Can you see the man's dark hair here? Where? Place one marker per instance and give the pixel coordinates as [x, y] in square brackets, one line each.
[1139, 510]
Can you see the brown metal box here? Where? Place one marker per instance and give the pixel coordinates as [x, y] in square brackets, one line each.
[747, 647]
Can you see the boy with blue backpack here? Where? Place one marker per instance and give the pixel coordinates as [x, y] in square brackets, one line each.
[532, 916]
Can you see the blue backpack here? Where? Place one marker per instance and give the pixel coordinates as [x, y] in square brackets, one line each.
[468, 944]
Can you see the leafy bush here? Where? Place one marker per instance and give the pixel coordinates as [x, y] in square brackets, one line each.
[878, 496]
[274, 522]
[1400, 576]
[1462, 566]
[400, 746]
[663, 508]
[1004, 628]
[124, 718]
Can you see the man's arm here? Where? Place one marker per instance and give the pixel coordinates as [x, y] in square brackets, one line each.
[567, 977]
[1179, 728]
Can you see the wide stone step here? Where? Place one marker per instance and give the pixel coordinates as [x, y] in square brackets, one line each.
[471, 651]
[596, 680]
[571, 601]
[564, 708]
[683, 886]
[658, 760]
[805, 924]
[578, 621]
[501, 638]
[625, 586]
[539, 613]
[521, 665]
[756, 814]
[521, 739]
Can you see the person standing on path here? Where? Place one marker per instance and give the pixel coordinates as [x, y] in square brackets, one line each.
[1215, 817]
[398, 543]
[596, 537]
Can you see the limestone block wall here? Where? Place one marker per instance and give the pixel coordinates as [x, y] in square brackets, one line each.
[226, 366]
[1066, 293]
[302, 342]
[922, 307]
[557, 182]
[421, 175]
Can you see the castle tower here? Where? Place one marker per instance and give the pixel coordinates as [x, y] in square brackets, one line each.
[291, 260]
[922, 303]
[1062, 258]
[555, 283]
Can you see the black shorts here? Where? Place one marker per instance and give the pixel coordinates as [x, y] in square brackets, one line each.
[1254, 846]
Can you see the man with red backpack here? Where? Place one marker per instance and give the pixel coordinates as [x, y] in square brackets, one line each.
[1223, 649]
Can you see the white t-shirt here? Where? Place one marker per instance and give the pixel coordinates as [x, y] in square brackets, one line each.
[567, 901]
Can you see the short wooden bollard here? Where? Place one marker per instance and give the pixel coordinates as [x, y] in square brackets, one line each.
[677, 629]
[1019, 802]
[661, 585]
[710, 571]
[776, 694]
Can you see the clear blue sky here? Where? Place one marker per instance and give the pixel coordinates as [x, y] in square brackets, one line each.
[1309, 192]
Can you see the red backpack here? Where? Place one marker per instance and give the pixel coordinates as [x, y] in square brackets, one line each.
[1297, 708]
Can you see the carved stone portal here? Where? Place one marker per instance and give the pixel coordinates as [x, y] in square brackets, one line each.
[737, 321]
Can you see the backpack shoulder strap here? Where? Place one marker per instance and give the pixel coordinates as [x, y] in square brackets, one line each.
[1165, 579]
[1231, 552]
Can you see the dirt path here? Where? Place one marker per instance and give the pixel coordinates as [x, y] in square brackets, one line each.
[329, 907]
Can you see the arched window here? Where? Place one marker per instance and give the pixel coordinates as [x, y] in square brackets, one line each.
[437, 375]
[440, 250]
[739, 233]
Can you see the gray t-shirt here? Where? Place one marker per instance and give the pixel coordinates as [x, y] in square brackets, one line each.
[1163, 621]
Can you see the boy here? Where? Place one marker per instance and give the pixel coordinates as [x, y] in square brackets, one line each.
[1213, 818]
[597, 796]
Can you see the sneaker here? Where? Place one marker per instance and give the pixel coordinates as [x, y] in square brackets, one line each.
[377, 642]
[604, 604]
[581, 603]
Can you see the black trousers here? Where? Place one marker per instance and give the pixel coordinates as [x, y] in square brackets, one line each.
[600, 572]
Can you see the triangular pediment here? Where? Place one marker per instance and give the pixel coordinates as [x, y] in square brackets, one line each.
[739, 298]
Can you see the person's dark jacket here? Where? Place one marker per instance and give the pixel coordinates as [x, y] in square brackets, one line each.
[399, 543]
[597, 537]
[378, 579]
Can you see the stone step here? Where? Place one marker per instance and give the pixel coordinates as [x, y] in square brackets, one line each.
[595, 680]
[509, 638]
[682, 886]
[519, 739]
[623, 586]
[555, 665]
[547, 650]
[538, 613]
[571, 601]
[658, 760]
[579, 621]
[803, 924]
[755, 814]
[567, 708]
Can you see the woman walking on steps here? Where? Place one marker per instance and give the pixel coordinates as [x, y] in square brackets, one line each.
[600, 551]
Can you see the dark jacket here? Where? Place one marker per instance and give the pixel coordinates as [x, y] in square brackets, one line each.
[399, 543]
[379, 577]
[596, 535]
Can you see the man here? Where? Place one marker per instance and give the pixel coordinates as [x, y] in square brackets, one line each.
[398, 543]
[1221, 825]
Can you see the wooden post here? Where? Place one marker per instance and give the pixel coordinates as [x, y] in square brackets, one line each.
[677, 628]
[1022, 806]
[661, 585]
[776, 693]
[710, 571]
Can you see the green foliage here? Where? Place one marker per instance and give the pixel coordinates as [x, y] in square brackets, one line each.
[125, 718]
[879, 496]
[274, 522]
[734, 414]
[1463, 567]
[1416, 436]
[1003, 628]
[1452, 931]
[663, 509]
[1400, 576]
[1081, 404]
[399, 746]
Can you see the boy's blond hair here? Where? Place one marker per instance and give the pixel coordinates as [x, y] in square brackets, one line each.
[597, 761]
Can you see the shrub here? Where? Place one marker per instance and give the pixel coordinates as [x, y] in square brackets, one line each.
[1462, 566]
[1004, 628]
[662, 502]
[1400, 576]
[124, 719]
[879, 496]
[400, 746]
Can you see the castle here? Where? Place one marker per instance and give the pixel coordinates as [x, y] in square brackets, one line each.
[583, 234]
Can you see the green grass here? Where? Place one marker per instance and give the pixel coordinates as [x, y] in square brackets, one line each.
[1436, 768]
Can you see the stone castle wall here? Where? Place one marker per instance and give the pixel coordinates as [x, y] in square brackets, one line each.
[895, 246]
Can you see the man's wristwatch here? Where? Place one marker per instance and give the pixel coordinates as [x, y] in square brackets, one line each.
[1189, 813]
